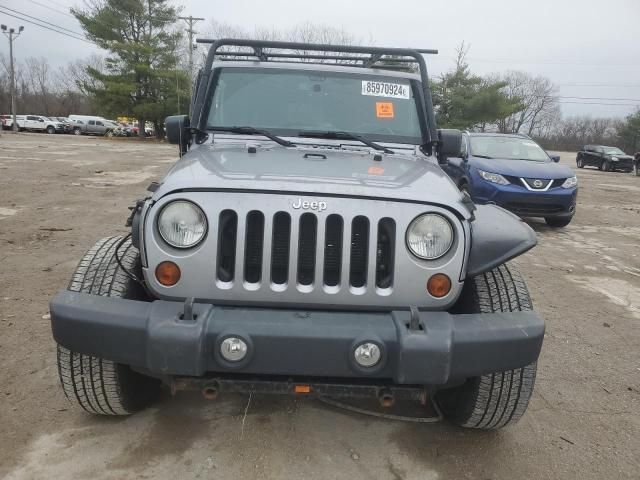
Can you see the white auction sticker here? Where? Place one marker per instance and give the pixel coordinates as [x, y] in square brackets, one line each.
[383, 89]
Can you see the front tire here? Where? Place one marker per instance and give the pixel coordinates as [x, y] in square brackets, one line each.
[51, 130]
[498, 399]
[77, 131]
[580, 162]
[605, 166]
[558, 222]
[101, 386]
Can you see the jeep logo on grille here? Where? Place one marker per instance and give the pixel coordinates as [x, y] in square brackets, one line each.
[307, 205]
[538, 183]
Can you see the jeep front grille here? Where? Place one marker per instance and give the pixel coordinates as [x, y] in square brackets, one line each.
[308, 252]
[266, 249]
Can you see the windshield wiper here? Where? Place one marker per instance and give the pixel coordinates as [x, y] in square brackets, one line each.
[331, 135]
[482, 156]
[253, 131]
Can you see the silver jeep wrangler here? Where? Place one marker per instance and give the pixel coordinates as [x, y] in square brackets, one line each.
[307, 242]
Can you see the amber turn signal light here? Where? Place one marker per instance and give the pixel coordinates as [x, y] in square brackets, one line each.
[439, 285]
[168, 274]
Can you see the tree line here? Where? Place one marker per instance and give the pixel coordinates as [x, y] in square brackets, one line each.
[44, 90]
[143, 74]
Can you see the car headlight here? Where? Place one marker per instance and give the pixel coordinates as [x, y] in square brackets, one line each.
[570, 182]
[429, 236]
[494, 178]
[614, 159]
[182, 224]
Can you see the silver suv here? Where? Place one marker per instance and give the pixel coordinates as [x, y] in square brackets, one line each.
[307, 242]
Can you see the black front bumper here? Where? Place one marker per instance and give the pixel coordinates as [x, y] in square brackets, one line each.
[623, 164]
[152, 336]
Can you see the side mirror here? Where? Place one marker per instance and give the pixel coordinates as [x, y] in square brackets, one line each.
[177, 127]
[555, 158]
[449, 144]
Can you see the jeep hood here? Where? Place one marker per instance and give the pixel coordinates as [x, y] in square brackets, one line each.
[523, 168]
[309, 170]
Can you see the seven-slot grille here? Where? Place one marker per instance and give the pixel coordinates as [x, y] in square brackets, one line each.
[305, 251]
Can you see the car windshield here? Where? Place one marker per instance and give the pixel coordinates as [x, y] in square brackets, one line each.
[286, 103]
[613, 151]
[507, 148]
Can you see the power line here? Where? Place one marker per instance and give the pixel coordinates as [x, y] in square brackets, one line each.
[604, 98]
[601, 103]
[598, 84]
[43, 21]
[53, 9]
[520, 62]
[48, 28]
[59, 4]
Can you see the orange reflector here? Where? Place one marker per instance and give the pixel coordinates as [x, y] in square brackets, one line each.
[303, 388]
[168, 273]
[439, 285]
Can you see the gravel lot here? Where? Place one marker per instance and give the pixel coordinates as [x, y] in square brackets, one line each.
[59, 194]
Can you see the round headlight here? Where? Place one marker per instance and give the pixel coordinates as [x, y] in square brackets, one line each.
[182, 224]
[430, 236]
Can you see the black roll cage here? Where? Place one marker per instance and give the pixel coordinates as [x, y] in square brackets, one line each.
[368, 57]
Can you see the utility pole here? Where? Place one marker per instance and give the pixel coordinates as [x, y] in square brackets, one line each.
[11, 34]
[190, 21]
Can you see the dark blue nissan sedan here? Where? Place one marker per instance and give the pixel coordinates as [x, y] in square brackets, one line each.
[514, 172]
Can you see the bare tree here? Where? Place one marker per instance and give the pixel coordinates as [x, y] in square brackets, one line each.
[75, 77]
[538, 98]
[574, 132]
[38, 75]
[42, 90]
[305, 33]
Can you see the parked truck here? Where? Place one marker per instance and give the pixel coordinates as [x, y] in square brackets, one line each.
[88, 125]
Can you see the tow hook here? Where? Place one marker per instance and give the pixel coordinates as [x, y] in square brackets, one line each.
[210, 392]
[386, 398]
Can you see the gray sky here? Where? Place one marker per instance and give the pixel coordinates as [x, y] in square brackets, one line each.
[589, 48]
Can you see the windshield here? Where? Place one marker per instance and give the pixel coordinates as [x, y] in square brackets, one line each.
[613, 151]
[287, 102]
[507, 148]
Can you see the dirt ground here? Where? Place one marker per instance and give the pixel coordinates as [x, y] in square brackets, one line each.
[59, 194]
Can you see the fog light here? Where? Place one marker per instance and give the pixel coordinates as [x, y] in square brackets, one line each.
[233, 349]
[367, 354]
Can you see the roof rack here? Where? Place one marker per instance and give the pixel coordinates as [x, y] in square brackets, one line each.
[369, 56]
[345, 55]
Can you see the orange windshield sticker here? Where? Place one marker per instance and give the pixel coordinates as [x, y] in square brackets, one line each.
[384, 110]
[375, 171]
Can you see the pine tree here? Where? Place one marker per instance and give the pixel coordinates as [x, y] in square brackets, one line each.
[141, 77]
[629, 132]
[463, 100]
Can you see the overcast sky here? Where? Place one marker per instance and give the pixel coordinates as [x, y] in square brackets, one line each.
[589, 48]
